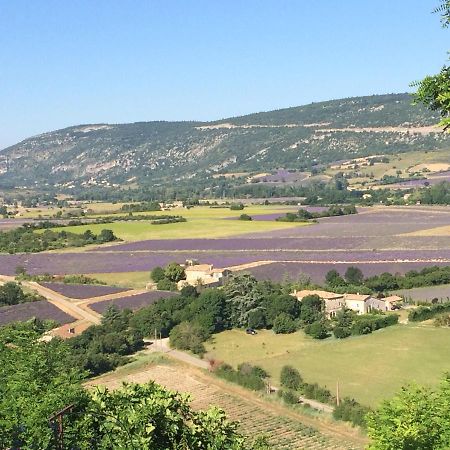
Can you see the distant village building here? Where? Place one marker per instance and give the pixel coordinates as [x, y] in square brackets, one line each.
[360, 303]
[204, 275]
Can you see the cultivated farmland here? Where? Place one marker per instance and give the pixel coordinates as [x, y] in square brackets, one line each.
[82, 291]
[133, 302]
[286, 430]
[41, 309]
[426, 294]
[378, 239]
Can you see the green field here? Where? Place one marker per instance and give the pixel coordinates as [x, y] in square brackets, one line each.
[369, 368]
[134, 280]
[202, 222]
[402, 161]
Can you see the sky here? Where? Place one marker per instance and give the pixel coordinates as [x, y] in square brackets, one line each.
[66, 63]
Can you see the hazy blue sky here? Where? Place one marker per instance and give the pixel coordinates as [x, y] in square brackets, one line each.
[66, 62]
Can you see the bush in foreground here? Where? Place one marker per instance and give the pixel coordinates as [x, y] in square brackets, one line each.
[290, 378]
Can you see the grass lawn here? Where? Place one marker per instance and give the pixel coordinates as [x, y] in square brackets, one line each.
[369, 368]
[134, 280]
[203, 222]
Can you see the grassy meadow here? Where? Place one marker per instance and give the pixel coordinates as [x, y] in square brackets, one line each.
[402, 161]
[202, 222]
[134, 280]
[368, 368]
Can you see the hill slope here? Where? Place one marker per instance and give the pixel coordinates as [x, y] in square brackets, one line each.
[159, 152]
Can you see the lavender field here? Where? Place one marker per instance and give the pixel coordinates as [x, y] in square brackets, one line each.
[376, 238]
[426, 294]
[82, 291]
[25, 311]
[133, 302]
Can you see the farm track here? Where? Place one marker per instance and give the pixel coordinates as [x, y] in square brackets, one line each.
[60, 301]
[286, 429]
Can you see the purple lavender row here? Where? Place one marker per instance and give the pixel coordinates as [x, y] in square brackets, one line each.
[75, 263]
[25, 311]
[133, 302]
[82, 291]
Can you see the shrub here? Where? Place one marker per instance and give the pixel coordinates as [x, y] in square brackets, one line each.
[288, 397]
[106, 236]
[257, 318]
[188, 336]
[349, 410]
[237, 207]
[166, 285]
[284, 324]
[245, 217]
[341, 332]
[157, 274]
[428, 312]
[290, 378]
[189, 291]
[317, 330]
[367, 323]
[442, 321]
[315, 392]
[248, 376]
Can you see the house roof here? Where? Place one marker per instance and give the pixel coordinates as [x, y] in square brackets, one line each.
[322, 294]
[357, 297]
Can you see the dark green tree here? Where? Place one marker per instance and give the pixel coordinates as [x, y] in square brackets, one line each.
[174, 272]
[354, 276]
[290, 378]
[434, 90]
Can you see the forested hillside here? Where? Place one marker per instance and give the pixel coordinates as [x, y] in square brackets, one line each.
[156, 153]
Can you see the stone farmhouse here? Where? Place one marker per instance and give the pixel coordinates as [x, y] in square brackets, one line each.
[204, 275]
[360, 303]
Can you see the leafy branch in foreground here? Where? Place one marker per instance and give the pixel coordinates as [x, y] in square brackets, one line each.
[434, 91]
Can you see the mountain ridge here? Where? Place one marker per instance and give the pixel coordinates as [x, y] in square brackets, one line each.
[160, 152]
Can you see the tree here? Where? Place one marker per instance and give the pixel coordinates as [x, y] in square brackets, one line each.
[290, 378]
[276, 304]
[434, 91]
[334, 279]
[353, 275]
[106, 236]
[157, 274]
[11, 294]
[312, 309]
[243, 296]
[189, 336]
[416, 418]
[257, 318]
[39, 379]
[166, 285]
[284, 324]
[209, 310]
[189, 291]
[317, 330]
[174, 272]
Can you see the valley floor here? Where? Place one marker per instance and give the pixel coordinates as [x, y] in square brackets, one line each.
[286, 429]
